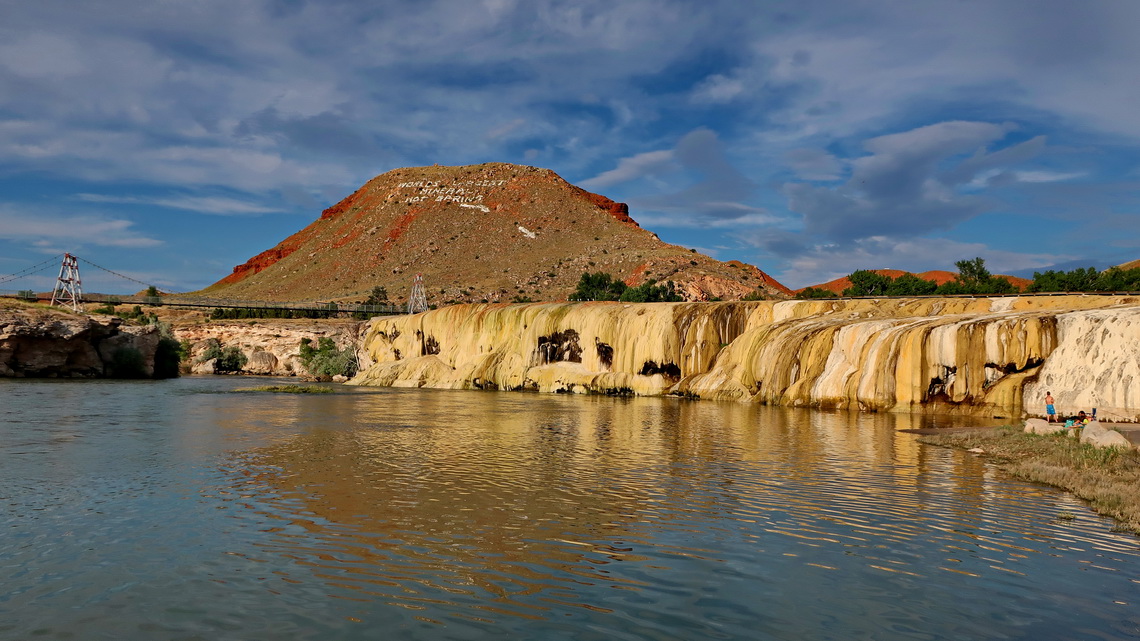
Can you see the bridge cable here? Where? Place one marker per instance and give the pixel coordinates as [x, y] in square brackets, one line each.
[28, 271]
[133, 280]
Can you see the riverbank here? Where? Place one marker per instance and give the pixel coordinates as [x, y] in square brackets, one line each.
[1108, 478]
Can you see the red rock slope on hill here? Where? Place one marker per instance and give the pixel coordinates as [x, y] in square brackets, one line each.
[492, 232]
[938, 276]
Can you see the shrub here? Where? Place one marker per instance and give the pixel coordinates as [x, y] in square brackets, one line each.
[230, 359]
[326, 359]
[169, 353]
[127, 362]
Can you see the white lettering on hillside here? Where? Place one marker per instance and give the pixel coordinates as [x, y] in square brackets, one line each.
[461, 192]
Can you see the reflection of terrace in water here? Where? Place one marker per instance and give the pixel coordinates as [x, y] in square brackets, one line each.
[507, 502]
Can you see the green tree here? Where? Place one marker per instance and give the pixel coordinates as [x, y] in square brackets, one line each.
[972, 274]
[598, 286]
[910, 285]
[651, 292]
[1118, 280]
[813, 292]
[974, 278]
[377, 297]
[865, 282]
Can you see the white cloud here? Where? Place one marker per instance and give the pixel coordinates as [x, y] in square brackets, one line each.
[200, 204]
[1046, 176]
[45, 228]
[717, 89]
[747, 217]
[633, 168]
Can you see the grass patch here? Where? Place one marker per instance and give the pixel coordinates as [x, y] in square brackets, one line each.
[1108, 478]
[288, 389]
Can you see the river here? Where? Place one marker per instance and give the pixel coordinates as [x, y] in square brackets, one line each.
[185, 509]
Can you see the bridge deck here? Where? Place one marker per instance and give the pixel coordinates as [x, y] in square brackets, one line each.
[203, 302]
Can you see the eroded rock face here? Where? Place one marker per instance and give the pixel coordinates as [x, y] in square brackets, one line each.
[40, 343]
[271, 348]
[966, 355]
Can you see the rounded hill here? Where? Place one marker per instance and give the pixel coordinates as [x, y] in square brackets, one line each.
[493, 232]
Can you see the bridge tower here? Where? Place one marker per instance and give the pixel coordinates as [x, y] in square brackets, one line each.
[417, 300]
[68, 288]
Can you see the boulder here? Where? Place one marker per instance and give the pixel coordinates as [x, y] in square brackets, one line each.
[1097, 436]
[1041, 426]
[261, 363]
[205, 367]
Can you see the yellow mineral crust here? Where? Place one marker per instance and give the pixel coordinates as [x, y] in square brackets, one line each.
[969, 355]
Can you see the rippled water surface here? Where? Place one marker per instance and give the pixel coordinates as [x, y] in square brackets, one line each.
[184, 510]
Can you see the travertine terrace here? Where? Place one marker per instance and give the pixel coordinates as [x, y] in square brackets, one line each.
[985, 356]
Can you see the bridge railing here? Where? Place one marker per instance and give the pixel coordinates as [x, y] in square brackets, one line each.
[224, 303]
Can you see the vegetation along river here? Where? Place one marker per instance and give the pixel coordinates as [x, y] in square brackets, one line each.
[183, 509]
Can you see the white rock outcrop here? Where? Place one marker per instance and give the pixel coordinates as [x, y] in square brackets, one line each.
[1041, 426]
[1099, 436]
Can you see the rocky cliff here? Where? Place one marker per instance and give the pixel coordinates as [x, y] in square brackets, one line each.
[39, 343]
[967, 355]
[272, 347]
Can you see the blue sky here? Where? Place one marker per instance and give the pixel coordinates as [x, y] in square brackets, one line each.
[171, 141]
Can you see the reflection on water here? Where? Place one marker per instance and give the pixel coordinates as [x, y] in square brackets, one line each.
[459, 515]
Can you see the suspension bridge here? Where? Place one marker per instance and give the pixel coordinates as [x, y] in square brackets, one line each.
[68, 292]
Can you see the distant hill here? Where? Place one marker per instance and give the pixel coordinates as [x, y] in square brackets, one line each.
[494, 232]
[1132, 264]
[938, 276]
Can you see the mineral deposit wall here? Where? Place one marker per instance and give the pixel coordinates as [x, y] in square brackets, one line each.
[968, 355]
